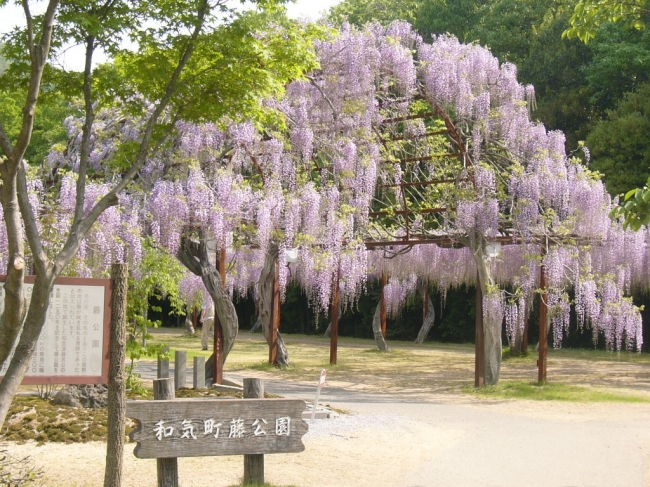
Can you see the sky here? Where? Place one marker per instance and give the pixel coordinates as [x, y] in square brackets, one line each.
[12, 15]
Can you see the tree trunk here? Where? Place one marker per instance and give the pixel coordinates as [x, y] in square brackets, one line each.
[376, 329]
[194, 255]
[14, 301]
[428, 320]
[189, 324]
[329, 326]
[117, 378]
[267, 278]
[31, 330]
[328, 330]
[515, 346]
[257, 325]
[491, 325]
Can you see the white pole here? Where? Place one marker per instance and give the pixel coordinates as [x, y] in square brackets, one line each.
[321, 381]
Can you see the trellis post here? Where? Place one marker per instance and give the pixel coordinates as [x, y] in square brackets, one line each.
[334, 331]
[543, 322]
[218, 329]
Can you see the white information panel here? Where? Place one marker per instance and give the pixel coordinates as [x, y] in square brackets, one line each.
[72, 348]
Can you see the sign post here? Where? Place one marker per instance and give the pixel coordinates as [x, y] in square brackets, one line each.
[168, 429]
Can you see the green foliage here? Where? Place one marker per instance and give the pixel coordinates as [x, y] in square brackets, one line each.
[589, 15]
[158, 276]
[620, 64]
[48, 125]
[233, 69]
[635, 208]
[620, 149]
[359, 12]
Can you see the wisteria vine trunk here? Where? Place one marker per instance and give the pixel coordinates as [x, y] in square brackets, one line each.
[429, 318]
[193, 254]
[267, 278]
[376, 329]
[492, 321]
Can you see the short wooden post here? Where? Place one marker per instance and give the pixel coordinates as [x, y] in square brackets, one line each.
[253, 464]
[199, 373]
[180, 368]
[167, 467]
[163, 366]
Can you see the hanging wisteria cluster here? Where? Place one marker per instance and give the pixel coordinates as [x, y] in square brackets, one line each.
[390, 140]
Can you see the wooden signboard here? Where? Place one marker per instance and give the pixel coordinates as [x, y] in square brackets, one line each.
[213, 427]
[73, 345]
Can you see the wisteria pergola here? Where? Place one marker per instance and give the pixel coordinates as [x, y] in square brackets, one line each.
[459, 165]
[414, 223]
[396, 158]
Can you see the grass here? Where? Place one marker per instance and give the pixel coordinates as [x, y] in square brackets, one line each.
[410, 369]
[407, 370]
[554, 392]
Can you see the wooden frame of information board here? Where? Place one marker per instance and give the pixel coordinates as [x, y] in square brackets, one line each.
[75, 378]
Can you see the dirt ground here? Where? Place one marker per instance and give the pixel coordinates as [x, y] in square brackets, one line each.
[422, 432]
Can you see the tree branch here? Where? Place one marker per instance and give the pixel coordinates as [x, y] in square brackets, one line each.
[29, 221]
[38, 54]
[5, 142]
[84, 152]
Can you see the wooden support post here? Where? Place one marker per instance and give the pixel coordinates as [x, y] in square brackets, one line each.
[382, 304]
[180, 368]
[163, 366]
[334, 314]
[116, 377]
[218, 329]
[198, 374]
[543, 323]
[479, 339]
[275, 318]
[163, 389]
[253, 464]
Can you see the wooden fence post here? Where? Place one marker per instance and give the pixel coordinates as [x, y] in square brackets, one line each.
[163, 366]
[198, 373]
[180, 368]
[253, 464]
[167, 467]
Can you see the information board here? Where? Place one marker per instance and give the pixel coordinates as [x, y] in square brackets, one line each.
[73, 346]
